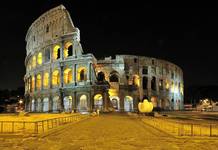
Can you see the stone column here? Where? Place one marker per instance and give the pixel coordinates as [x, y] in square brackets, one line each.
[75, 74]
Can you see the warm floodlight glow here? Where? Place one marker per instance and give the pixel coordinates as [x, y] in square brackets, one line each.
[81, 74]
[39, 58]
[34, 62]
[67, 50]
[38, 82]
[68, 76]
[33, 83]
[56, 52]
[55, 78]
[46, 79]
[136, 80]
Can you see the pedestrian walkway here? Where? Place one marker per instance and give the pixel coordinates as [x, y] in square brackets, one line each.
[113, 132]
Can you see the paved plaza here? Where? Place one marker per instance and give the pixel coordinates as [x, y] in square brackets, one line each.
[109, 131]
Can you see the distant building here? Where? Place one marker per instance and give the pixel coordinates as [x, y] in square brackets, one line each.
[60, 77]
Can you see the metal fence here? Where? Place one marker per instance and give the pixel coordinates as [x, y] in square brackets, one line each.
[182, 128]
[37, 127]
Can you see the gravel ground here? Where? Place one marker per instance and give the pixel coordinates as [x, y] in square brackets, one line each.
[113, 131]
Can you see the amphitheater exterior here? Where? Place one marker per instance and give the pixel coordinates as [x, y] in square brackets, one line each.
[61, 77]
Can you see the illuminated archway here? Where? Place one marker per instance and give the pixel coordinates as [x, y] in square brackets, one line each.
[46, 80]
[55, 78]
[34, 62]
[68, 76]
[55, 104]
[68, 49]
[38, 82]
[45, 104]
[33, 105]
[128, 104]
[56, 52]
[98, 101]
[68, 103]
[39, 58]
[115, 102]
[82, 74]
[33, 83]
[39, 105]
[83, 104]
[136, 80]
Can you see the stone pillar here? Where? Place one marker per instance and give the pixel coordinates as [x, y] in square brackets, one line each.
[74, 102]
[75, 74]
[50, 105]
[105, 102]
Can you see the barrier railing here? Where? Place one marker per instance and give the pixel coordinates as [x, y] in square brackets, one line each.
[182, 128]
[37, 127]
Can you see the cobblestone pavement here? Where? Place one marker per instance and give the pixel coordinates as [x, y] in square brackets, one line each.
[114, 131]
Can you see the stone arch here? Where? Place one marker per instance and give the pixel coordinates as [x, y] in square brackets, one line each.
[38, 82]
[39, 105]
[55, 77]
[68, 103]
[101, 76]
[83, 103]
[128, 104]
[68, 49]
[115, 102]
[68, 78]
[56, 52]
[46, 79]
[34, 62]
[33, 105]
[45, 104]
[55, 102]
[39, 58]
[114, 76]
[98, 101]
[82, 74]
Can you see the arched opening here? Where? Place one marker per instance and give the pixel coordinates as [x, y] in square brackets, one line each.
[38, 82]
[100, 76]
[55, 104]
[33, 106]
[114, 78]
[68, 49]
[115, 102]
[56, 52]
[33, 84]
[34, 62]
[39, 58]
[83, 104]
[82, 74]
[128, 104]
[153, 83]
[154, 101]
[45, 104]
[98, 101]
[46, 80]
[68, 103]
[136, 80]
[55, 78]
[145, 83]
[68, 76]
[39, 105]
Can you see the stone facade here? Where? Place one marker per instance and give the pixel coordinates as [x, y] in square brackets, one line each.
[60, 77]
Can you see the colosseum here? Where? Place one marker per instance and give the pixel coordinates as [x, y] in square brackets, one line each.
[60, 77]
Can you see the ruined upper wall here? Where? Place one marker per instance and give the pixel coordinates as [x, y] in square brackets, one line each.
[51, 25]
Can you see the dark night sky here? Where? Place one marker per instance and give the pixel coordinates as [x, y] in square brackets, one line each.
[183, 33]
